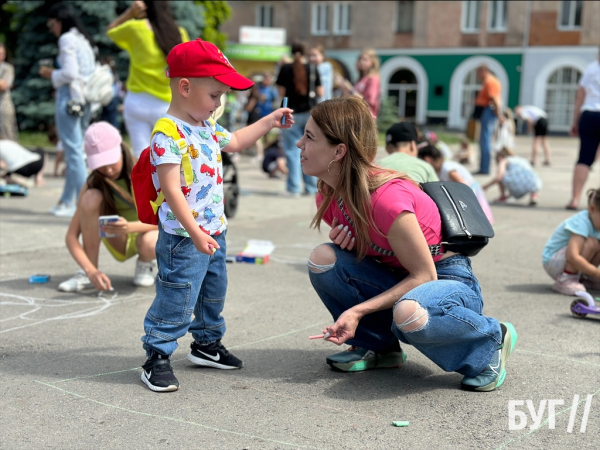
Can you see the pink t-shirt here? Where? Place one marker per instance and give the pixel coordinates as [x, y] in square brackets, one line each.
[369, 87]
[388, 202]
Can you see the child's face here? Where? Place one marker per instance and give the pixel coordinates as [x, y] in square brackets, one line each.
[204, 97]
[435, 163]
[112, 171]
[594, 216]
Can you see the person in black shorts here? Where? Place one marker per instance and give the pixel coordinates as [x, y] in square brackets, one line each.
[16, 159]
[537, 121]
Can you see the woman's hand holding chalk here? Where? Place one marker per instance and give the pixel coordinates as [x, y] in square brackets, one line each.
[319, 336]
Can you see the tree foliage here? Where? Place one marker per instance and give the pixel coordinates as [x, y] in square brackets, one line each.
[29, 40]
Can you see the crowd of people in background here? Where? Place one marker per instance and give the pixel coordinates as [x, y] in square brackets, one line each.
[147, 31]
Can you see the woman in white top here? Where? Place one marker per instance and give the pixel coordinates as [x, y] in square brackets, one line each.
[586, 124]
[76, 60]
[454, 171]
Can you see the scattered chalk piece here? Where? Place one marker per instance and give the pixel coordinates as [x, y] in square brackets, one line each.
[400, 423]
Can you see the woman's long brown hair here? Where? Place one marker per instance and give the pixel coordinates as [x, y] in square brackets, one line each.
[298, 69]
[166, 31]
[98, 181]
[347, 120]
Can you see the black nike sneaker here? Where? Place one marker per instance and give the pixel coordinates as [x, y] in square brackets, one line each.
[213, 355]
[157, 374]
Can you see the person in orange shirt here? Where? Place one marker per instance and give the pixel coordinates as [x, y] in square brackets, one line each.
[489, 104]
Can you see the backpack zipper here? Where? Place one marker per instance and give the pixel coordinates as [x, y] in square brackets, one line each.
[460, 219]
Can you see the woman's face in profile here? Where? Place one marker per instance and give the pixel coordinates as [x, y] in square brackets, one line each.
[315, 150]
[364, 63]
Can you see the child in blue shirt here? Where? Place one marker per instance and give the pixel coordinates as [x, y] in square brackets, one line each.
[191, 249]
[572, 254]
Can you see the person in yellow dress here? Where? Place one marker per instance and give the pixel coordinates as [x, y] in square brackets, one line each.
[147, 32]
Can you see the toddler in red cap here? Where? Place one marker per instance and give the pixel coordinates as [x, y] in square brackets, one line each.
[107, 191]
[191, 249]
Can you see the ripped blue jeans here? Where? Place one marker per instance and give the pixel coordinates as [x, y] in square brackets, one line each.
[455, 334]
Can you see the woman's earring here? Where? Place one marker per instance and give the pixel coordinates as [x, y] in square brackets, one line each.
[329, 166]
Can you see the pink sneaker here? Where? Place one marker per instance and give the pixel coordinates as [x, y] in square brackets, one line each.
[568, 284]
[590, 282]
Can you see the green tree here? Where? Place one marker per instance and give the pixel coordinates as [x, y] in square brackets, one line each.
[32, 95]
[215, 13]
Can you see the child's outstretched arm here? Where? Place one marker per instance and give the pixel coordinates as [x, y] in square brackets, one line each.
[580, 251]
[170, 182]
[247, 136]
[498, 178]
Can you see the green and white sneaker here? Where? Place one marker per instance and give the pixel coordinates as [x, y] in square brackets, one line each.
[493, 375]
[357, 359]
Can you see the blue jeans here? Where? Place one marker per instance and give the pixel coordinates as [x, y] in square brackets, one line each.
[187, 282]
[456, 337]
[289, 138]
[71, 131]
[488, 122]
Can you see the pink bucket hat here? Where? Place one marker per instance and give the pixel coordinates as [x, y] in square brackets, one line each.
[102, 145]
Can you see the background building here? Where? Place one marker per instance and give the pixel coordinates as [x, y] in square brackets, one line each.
[429, 50]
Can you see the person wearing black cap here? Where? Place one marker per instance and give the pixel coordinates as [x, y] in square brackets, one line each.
[401, 144]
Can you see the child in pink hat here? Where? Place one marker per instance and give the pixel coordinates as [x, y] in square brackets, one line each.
[107, 192]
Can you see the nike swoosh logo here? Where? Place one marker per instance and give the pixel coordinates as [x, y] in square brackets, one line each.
[214, 358]
[148, 374]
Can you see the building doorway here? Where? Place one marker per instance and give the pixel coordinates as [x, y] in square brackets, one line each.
[560, 97]
[403, 91]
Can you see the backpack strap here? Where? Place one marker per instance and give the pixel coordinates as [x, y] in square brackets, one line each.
[169, 128]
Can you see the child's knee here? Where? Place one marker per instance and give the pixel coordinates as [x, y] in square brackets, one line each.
[146, 243]
[592, 245]
[321, 259]
[410, 316]
[91, 200]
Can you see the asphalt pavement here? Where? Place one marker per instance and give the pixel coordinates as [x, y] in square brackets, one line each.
[71, 361]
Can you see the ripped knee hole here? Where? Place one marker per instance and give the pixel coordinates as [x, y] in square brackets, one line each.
[416, 321]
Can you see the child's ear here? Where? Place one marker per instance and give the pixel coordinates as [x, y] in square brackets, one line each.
[184, 87]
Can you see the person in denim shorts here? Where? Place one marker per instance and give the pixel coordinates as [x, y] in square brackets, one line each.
[191, 250]
[386, 276]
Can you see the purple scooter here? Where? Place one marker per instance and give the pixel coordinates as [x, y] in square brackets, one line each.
[584, 305]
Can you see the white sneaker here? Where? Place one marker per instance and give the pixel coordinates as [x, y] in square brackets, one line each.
[62, 210]
[143, 273]
[76, 283]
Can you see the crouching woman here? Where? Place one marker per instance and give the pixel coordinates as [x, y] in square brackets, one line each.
[385, 277]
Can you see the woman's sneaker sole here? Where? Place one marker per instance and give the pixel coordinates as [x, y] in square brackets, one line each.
[389, 361]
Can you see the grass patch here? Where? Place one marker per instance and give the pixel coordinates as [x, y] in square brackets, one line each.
[449, 137]
[35, 139]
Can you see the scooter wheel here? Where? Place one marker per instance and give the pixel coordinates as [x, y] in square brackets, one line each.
[574, 304]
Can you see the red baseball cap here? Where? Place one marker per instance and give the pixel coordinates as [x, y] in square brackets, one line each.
[199, 59]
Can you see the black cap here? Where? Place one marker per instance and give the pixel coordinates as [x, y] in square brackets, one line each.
[401, 132]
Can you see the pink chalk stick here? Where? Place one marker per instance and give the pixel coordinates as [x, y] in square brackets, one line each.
[318, 336]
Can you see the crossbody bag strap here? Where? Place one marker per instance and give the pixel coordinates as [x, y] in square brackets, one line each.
[120, 192]
[435, 249]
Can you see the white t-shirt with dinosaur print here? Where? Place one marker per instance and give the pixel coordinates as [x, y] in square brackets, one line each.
[204, 195]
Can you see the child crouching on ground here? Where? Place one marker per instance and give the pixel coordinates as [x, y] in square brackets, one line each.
[516, 176]
[572, 254]
[191, 248]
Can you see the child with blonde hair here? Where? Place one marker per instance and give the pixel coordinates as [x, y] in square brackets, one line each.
[572, 254]
[191, 247]
[515, 178]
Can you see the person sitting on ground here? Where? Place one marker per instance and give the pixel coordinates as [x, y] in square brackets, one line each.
[454, 171]
[516, 175]
[108, 191]
[387, 276]
[572, 254]
[463, 155]
[274, 160]
[17, 160]
[401, 144]
[537, 122]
